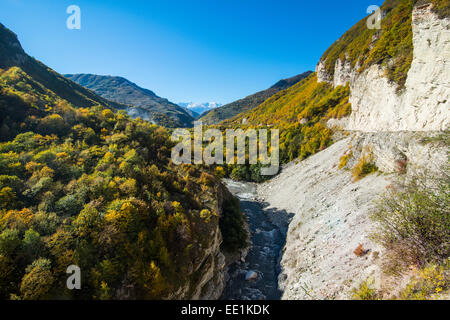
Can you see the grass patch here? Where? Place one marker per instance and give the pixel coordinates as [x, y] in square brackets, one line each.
[364, 167]
[344, 159]
[365, 291]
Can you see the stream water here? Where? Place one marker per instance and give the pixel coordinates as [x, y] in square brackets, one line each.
[263, 257]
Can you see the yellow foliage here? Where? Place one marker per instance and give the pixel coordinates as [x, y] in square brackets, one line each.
[15, 219]
[62, 155]
[108, 157]
[108, 114]
[344, 159]
[431, 282]
[128, 187]
[219, 172]
[365, 291]
[364, 167]
[113, 216]
[7, 197]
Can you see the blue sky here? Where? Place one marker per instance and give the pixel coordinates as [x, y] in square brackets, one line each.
[185, 50]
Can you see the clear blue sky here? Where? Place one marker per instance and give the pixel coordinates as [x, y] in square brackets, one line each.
[185, 50]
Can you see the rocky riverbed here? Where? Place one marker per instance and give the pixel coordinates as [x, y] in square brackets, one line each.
[255, 278]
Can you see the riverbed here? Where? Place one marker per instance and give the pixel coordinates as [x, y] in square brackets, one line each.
[262, 261]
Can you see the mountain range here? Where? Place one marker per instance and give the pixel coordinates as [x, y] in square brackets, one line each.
[83, 183]
[141, 102]
[199, 108]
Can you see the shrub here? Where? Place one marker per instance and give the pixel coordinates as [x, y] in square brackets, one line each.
[365, 291]
[9, 241]
[7, 197]
[206, 215]
[364, 167]
[430, 283]
[69, 205]
[413, 219]
[219, 172]
[38, 280]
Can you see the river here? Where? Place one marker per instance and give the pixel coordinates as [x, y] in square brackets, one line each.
[263, 257]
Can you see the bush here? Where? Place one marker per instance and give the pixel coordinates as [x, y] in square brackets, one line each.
[413, 219]
[430, 283]
[69, 205]
[360, 251]
[37, 282]
[365, 291]
[9, 241]
[344, 159]
[364, 167]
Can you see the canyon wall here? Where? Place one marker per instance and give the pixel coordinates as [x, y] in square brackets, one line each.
[424, 103]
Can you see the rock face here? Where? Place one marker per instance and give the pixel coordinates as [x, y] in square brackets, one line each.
[208, 274]
[424, 104]
[11, 52]
[213, 271]
[331, 213]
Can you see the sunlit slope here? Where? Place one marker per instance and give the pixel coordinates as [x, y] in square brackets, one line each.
[301, 113]
[243, 105]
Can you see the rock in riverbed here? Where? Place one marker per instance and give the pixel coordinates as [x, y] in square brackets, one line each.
[251, 275]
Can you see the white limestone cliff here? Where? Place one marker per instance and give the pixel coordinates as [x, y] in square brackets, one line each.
[424, 104]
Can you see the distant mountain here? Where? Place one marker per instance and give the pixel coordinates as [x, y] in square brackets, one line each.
[230, 110]
[199, 108]
[193, 114]
[142, 102]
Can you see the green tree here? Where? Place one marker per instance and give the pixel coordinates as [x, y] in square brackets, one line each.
[9, 241]
[38, 280]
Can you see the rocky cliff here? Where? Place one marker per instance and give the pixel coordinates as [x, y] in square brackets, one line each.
[209, 272]
[424, 103]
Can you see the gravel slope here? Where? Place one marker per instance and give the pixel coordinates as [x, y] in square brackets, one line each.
[330, 221]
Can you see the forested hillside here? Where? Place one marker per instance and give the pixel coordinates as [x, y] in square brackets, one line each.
[300, 113]
[83, 184]
[230, 110]
[391, 47]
